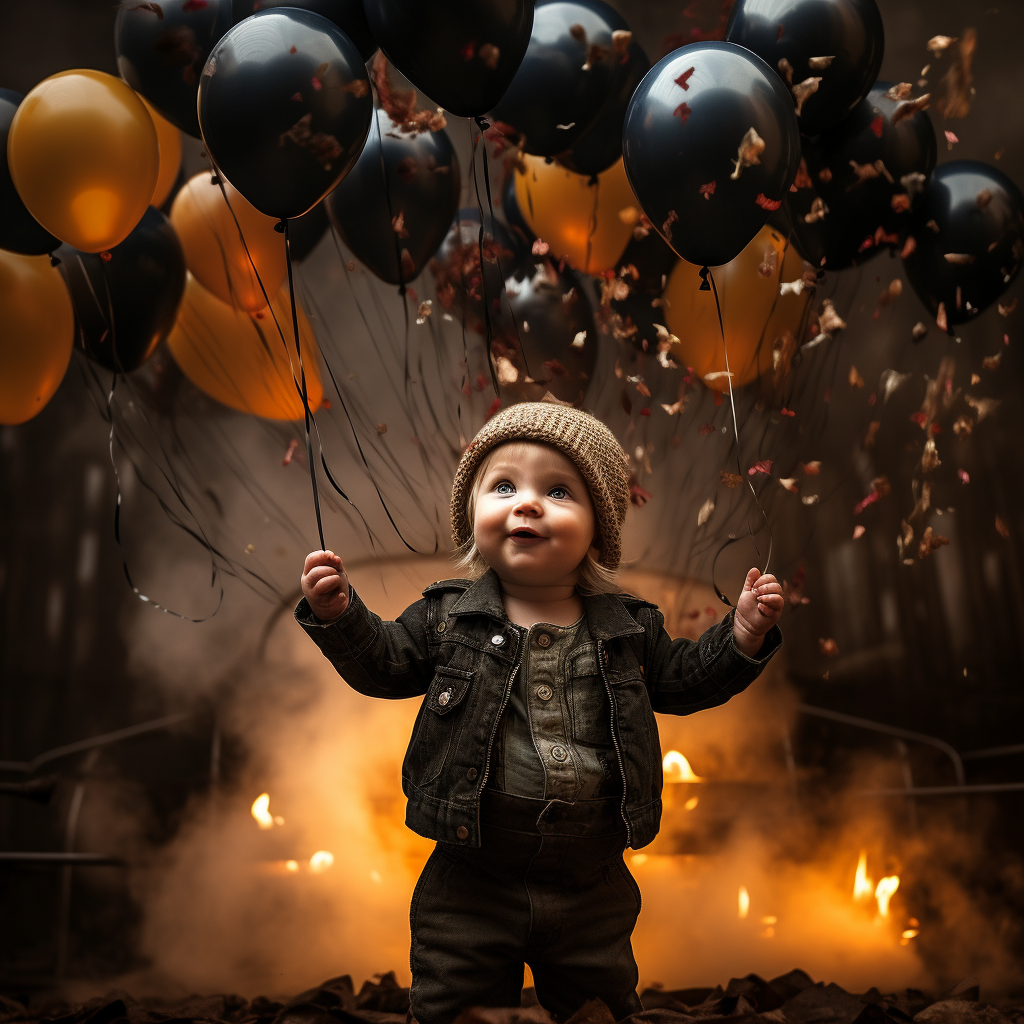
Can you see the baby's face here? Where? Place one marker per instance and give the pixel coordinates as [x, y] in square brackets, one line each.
[534, 521]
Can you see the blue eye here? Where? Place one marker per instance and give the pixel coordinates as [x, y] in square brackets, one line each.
[503, 484]
[558, 492]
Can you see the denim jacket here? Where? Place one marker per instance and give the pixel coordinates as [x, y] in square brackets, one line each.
[457, 647]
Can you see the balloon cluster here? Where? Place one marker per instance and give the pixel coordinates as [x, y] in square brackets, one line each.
[743, 157]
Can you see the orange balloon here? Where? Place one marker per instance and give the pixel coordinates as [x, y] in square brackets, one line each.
[589, 225]
[215, 253]
[37, 332]
[169, 140]
[239, 358]
[84, 158]
[754, 313]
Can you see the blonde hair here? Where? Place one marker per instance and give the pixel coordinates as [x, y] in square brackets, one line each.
[594, 577]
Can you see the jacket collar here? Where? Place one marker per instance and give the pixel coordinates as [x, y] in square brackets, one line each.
[606, 614]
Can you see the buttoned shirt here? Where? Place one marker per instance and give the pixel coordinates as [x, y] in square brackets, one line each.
[554, 737]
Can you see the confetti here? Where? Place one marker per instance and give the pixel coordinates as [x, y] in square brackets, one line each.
[708, 190]
[579, 340]
[910, 107]
[859, 531]
[940, 318]
[1001, 528]
[890, 382]
[382, 428]
[828, 647]
[855, 379]
[683, 81]
[876, 126]
[1006, 308]
[817, 211]
[705, 512]
[950, 138]
[820, 63]
[930, 542]
[919, 330]
[958, 80]
[424, 311]
[991, 362]
[293, 447]
[802, 92]
[706, 428]
[964, 476]
[764, 466]
[810, 468]
[790, 484]
[872, 432]
[748, 152]
[930, 457]
[490, 55]
[540, 248]
[731, 480]
[937, 45]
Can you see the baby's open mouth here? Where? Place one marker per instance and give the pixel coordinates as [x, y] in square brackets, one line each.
[524, 532]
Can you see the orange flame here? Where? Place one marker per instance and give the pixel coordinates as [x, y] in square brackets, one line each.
[744, 902]
[863, 887]
[677, 768]
[884, 891]
[321, 861]
[260, 810]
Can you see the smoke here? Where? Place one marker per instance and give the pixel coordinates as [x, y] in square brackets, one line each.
[223, 910]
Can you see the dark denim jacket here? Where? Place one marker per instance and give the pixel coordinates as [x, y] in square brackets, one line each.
[456, 645]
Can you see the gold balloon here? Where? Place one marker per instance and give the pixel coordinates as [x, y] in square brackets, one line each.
[84, 158]
[215, 253]
[754, 314]
[37, 332]
[589, 225]
[169, 139]
[239, 358]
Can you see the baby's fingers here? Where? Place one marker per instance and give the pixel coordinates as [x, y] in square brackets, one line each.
[770, 604]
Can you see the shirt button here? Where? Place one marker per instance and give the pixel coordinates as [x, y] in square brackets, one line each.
[559, 753]
[497, 639]
[544, 692]
[442, 626]
[471, 774]
[444, 697]
[462, 832]
[544, 640]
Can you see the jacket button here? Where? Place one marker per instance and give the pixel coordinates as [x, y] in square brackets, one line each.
[462, 832]
[444, 697]
[442, 626]
[497, 639]
[543, 640]
[544, 692]
[471, 774]
[559, 753]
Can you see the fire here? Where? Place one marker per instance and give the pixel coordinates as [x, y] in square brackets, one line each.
[291, 865]
[677, 769]
[863, 888]
[260, 810]
[321, 861]
[744, 902]
[884, 891]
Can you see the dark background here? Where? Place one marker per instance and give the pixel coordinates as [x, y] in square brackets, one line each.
[934, 647]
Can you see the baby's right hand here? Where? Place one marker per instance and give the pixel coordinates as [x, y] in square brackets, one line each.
[325, 585]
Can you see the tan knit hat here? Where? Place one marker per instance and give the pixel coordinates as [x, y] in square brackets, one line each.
[583, 438]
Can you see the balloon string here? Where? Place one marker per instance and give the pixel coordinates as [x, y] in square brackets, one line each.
[706, 276]
[302, 378]
[117, 476]
[481, 124]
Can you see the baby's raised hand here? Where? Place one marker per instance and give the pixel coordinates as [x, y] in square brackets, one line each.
[757, 610]
[325, 585]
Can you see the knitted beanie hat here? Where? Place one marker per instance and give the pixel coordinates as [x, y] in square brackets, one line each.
[583, 438]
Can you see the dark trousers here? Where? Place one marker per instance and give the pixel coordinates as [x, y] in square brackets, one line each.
[548, 887]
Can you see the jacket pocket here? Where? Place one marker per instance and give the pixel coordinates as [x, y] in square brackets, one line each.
[437, 728]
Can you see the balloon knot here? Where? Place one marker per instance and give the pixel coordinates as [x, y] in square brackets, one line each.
[704, 286]
[214, 179]
[593, 180]
[279, 227]
[106, 256]
[54, 261]
[401, 290]
[482, 123]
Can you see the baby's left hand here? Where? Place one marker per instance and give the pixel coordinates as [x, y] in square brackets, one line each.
[757, 610]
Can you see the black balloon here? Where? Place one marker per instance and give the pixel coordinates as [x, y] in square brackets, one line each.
[567, 75]
[19, 230]
[459, 283]
[125, 306]
[285, 107]
[162, 48]
[538, 332]
[601, 144]
[461, 53]
[967, 263]
[848, 206]
[691, 148]
[840, 42]
[394, 208]
[346, 14]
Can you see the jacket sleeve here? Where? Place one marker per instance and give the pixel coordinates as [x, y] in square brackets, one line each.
[375, 657]
[684, 676]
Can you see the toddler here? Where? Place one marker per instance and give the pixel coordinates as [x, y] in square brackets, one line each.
[535, 759]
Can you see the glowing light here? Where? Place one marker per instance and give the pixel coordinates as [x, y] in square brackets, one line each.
[884, 891]
[291, 865]
[321, 861]
[677, 768]
[691, 803]
[744, 902]
[638, 859]
[375, 877]
[863, 888]
[260, 810]
[770, 919]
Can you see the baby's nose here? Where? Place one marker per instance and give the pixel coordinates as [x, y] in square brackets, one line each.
[527, 507]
